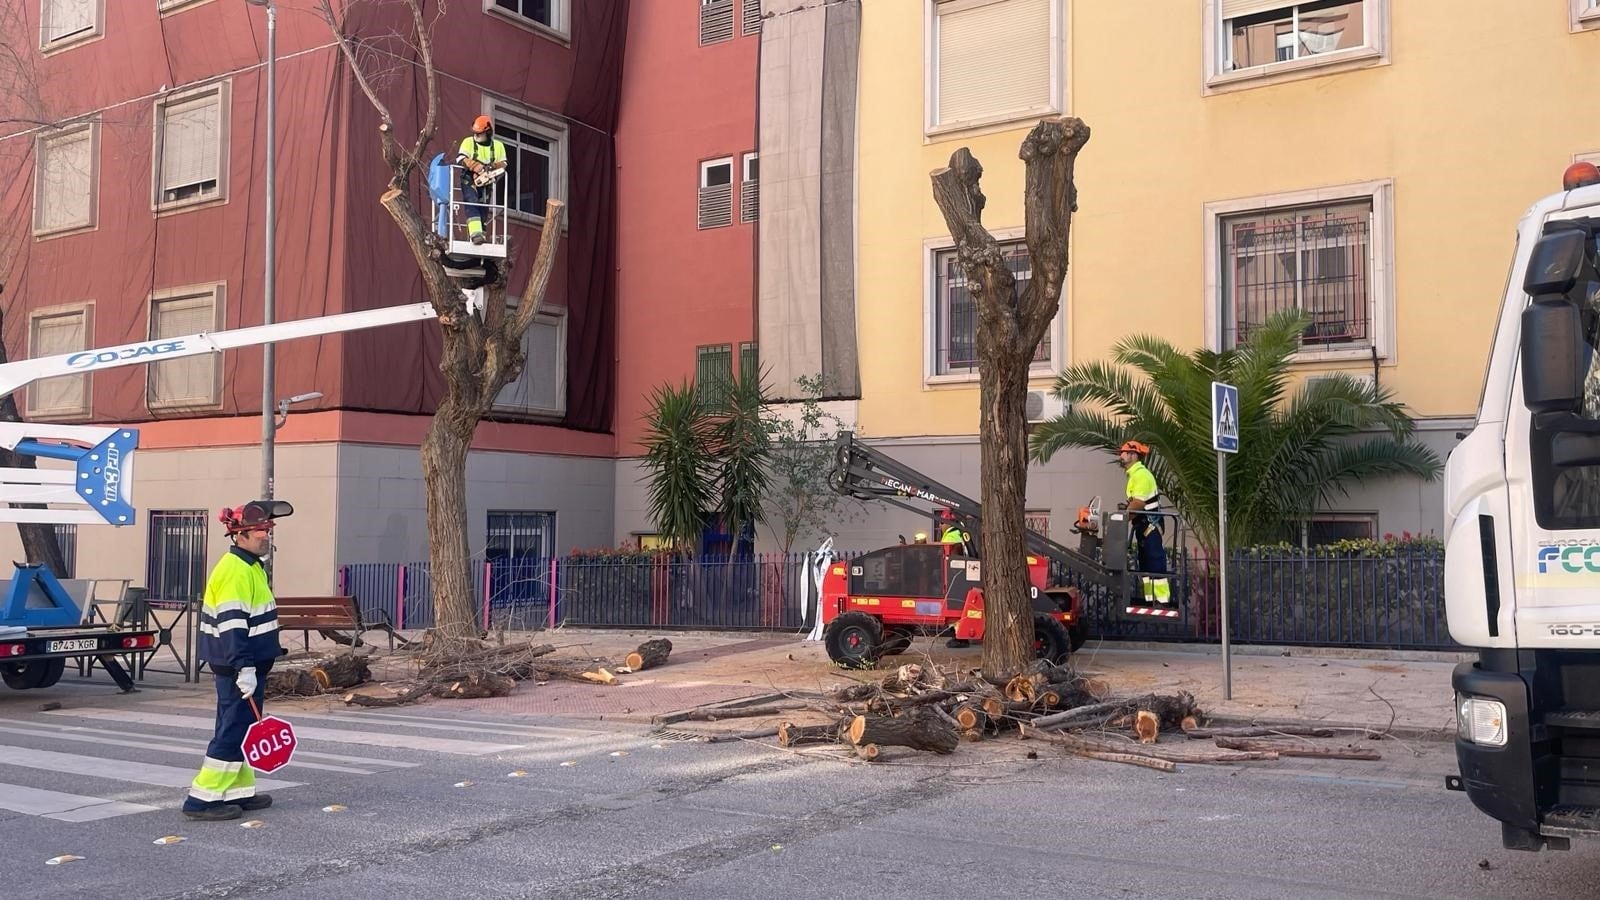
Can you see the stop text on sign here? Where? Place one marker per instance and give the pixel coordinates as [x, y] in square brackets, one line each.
[269, 744]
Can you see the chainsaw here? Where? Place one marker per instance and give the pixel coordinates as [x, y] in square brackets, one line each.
[487, 177]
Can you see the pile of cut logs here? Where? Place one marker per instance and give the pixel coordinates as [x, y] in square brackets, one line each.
[922, 708]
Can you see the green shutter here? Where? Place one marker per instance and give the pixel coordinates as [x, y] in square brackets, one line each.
[713, 374]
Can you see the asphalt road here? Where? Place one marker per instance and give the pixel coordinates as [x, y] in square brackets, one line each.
[432, 809]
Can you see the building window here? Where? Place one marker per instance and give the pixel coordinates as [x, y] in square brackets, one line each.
[994, 61]
[716, 21]
[53, 331]
[541, 389]
[65, 22]
[192, 147]
[749, 359]
[1325, 252]
[716, 192]
[66, 179]
[67, 540]
[548, 15]
[1037, 521]
[520, 533]
[751, 18]
[194, 381]
[713, 375]
[1585, 15]
[750, 189]
[1330, 528]
[175, 564]
[535, 160]
[955, 314]
[1268, 40]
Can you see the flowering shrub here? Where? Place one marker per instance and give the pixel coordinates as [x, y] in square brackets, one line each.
[1389, 546]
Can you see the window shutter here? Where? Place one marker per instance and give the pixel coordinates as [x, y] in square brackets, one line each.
[68, 17]
[752, 17]
[716, 205]
[183, 381]
[749, 200]
[52, 335]
[189, 142]
[1233, 9]
[993, 59]
[716, 21]
[64, 168]
[749, 359]
[540, 386]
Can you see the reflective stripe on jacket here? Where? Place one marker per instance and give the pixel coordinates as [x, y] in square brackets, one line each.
[239, 617]
[488, 154]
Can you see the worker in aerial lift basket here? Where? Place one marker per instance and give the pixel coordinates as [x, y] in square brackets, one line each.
[1146, 529]
[480, 154]
[239, 640]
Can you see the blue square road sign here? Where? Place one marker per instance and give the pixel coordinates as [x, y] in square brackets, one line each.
[1224, 417]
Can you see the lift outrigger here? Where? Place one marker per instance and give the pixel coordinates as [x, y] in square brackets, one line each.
[875, 604]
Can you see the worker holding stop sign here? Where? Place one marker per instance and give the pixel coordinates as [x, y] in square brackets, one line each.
[239, 639]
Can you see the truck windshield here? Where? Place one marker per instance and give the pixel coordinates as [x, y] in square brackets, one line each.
[1568, 497]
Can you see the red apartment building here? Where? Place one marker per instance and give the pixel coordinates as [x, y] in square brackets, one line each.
[132, 135]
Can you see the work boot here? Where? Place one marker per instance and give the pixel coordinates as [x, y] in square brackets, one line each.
[212, 812]
[479, 238]
[251, 804]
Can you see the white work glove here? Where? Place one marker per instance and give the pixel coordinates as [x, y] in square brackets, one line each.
[246, 680]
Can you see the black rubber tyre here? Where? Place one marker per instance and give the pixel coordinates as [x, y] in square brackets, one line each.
[40, 673]
[895, 642]
[1079, 633]
[854, 640]
[1051, 640]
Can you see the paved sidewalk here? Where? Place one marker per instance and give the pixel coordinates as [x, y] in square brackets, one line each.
[1410, 696]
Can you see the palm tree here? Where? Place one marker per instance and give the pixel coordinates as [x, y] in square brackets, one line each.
[1296, 452]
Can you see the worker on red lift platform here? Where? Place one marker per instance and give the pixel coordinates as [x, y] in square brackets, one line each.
[1144, 495]
[950, 533]
[239, 639]
[480, 152]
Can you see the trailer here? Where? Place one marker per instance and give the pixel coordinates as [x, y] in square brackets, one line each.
[876, 604]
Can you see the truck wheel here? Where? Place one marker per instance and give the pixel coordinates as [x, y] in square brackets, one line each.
[1050, 640]
[895, 642]
[40, 673]
[854, 640]
[1079, 634]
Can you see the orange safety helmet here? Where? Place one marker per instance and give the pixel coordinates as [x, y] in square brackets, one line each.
[481, 125]
[1133, 447]
[253, 515]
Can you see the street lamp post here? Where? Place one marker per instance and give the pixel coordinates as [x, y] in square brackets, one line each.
[269, 427]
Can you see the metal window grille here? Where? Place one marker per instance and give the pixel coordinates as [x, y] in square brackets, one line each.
[1317, 258]
[716, 21]
[67, 538]
[1038, 521]
[175, 564]
[520, 533]
[956, 347]
[751, 22]
[749, 358]
[713, 376]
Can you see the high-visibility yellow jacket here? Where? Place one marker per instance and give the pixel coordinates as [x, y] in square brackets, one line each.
[489, 154]
[238, 617]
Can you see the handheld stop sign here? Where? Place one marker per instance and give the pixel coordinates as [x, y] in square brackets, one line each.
[269, 743]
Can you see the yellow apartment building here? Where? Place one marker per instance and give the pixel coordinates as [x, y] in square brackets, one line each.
[1366, 160]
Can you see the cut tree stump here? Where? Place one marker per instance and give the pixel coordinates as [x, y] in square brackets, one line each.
[920, 732]
[340, 671]
[1146, 725]
[868, 752]
[970, 716]
[792, 735]
[291, 682]
[475, 686]
[649, 654]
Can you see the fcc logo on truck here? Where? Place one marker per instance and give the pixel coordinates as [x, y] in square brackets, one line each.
[1571, 557]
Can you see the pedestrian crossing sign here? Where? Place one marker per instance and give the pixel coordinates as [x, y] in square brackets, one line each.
[1224, 417]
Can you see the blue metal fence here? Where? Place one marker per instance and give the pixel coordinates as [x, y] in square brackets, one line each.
[1394, 601]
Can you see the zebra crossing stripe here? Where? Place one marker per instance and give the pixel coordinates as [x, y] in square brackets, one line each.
[335, 735]
[112, 769]
[64, 807]
[70, 732]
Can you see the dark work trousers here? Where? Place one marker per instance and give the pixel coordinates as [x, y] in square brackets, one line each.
[1152, 552]
[224, 777]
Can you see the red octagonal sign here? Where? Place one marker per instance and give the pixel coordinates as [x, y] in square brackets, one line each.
[269, 744]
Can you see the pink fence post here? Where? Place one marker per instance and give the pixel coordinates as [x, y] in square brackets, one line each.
[550, 618]
[486, 595]
[400, 598]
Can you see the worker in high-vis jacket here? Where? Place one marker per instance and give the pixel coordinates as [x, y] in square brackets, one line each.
[239, 640]
[480, 152]
[1144, 495]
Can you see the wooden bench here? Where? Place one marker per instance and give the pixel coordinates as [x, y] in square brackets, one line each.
[326, 614]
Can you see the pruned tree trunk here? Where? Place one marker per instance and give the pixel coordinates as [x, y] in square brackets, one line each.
[920, 732]
[482, 353]
[1010, 327]
[649, 654]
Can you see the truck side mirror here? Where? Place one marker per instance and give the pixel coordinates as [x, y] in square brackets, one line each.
[1552, 358]
[1556, 260]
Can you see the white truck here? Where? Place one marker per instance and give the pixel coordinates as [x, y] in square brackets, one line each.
[1522, 531]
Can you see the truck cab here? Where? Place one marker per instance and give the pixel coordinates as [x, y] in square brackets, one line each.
[1522, 532]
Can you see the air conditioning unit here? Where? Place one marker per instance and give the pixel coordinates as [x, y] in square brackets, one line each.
[1043, 406]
